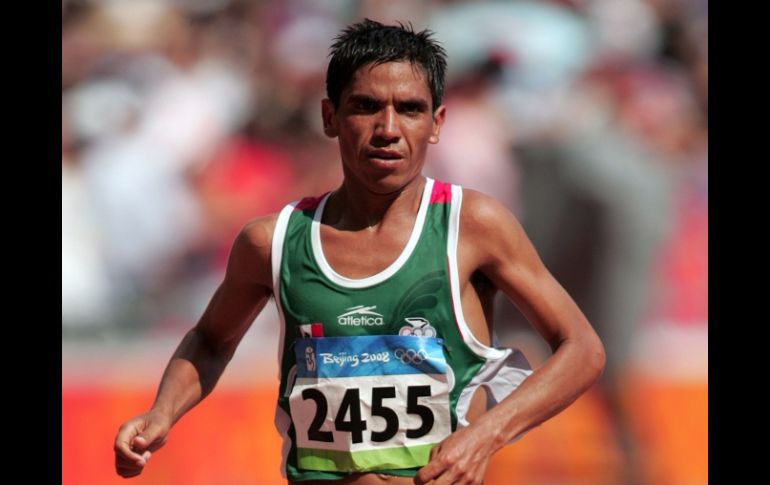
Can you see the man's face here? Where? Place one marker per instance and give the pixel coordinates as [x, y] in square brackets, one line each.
[384, 123]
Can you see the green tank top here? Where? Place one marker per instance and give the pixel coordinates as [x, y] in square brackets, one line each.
[418, 295]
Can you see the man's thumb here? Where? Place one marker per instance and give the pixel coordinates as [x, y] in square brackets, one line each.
[146, 438]
[140, 443]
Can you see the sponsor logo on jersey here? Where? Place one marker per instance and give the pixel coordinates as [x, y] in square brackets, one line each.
[418, 327]
[358, 316]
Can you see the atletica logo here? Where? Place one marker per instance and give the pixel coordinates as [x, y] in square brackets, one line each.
[361, 315]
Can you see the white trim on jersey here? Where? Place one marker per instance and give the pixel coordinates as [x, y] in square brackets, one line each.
[504, 369]
[501, 377]
[276, 256]
[328, 271]
[281, 420]
[454, 281]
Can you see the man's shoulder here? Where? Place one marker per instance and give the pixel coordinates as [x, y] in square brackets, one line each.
[257, 234]
[489, 232]
[251, 253]
[482, 212]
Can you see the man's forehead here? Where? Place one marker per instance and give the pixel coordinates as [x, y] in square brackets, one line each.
[402, 75]
[415, 67]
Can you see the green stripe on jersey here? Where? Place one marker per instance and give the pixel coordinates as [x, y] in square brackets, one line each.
[362, 461]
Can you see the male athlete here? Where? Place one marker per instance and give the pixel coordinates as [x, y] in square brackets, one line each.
[385, 289]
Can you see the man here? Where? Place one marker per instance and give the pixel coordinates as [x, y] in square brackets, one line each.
[402, 270]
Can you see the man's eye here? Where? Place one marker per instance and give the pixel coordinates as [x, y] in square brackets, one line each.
[412, 108]
[366, 105]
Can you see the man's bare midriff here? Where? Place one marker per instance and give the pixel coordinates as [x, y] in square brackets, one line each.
[477, 407]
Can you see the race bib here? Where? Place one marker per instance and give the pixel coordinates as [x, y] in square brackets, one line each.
[369, 403]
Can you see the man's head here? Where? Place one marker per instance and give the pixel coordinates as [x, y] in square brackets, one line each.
[385, 86]
[371, 42]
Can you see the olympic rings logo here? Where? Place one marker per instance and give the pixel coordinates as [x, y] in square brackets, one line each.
[411, 356]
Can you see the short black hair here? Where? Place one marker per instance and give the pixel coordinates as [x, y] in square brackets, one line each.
[372, 42]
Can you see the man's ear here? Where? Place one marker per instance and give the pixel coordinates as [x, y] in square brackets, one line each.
[438, 121]
[329, 120]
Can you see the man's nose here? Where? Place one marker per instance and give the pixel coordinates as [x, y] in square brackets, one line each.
[387, 128]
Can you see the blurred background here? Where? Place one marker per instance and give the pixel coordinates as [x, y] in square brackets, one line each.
[183, 119]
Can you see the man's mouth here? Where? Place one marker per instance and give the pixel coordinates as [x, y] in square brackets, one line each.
[385, 158]
[386, 155]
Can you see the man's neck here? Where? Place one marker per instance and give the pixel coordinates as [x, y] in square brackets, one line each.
[352, 207]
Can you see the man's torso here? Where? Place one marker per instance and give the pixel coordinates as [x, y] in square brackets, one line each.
[396, 280]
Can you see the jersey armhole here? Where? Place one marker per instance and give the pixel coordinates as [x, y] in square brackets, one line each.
[276, 258]
[453, 239]
[282, 421]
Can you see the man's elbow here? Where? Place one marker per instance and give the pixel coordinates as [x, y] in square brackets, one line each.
[597, 358]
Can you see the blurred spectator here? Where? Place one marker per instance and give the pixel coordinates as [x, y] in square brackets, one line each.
[245, 179]
[85, 283]
[476, 142]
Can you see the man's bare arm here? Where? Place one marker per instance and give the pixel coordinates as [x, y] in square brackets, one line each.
[512, 264]
[205, 351]
[493, 242]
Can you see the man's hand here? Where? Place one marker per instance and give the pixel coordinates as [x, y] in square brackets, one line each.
[137, 439]
[461, 458]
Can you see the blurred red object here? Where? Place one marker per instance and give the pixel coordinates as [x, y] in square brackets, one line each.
[245, 179]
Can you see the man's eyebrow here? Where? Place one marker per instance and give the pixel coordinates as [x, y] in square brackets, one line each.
[356, 97]
[413, 102]
[416, 103]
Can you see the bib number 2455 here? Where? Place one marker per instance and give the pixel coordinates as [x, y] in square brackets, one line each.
[349, 418]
